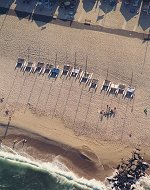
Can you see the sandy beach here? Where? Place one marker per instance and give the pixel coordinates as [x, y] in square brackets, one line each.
[64, 111]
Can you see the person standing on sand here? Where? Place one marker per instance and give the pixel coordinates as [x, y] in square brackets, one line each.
[6, 112]
[114, 113]
[0, 143]
[1, 100]
[23, 142]
[145, 111]
[101, 114]
[14, 142]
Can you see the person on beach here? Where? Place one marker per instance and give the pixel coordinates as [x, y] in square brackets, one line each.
[114, 113]
[0, 143]
[107, 114]
[1, 100]
[111, 112]
[14, 143]
[23, 142]
[102, 113]
[7, 112]
[130, 135]
[9, 118]
[145, 111]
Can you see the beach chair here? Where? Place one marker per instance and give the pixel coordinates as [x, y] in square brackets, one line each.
[66, 70]
[85, 77]
[38, 68]
[120, 89]
[47, 68]
[75, 72]
[129, 92]
[20, 63]
[93, 84]
[29, 67]
[54, 72]
[112, 89]
[106, 85]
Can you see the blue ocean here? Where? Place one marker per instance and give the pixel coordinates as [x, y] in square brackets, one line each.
[18, 172]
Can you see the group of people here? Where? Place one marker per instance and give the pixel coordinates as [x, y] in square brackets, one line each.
[109, 112]
[23, 141]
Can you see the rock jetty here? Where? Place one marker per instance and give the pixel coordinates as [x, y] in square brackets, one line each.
[128, 172]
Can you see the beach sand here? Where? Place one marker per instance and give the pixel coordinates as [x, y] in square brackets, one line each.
[66, 112]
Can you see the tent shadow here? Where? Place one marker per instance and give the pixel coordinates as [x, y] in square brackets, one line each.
[125, 11]
[24, 10]
[105, 7]
[6, 4]
[144, 21]
[88, 5]
[68, 13]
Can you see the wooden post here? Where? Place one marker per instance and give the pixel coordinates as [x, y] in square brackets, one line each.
[55, 60]
[86, 65]
[131, 79]
[107, 74]
[28, 54]
[75, 60]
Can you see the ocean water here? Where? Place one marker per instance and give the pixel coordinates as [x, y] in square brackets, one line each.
[20, 173]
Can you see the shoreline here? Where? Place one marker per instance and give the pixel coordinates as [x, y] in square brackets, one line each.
[82, 163]
[75, 152]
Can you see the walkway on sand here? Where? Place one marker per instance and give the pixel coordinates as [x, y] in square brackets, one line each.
[70, 23]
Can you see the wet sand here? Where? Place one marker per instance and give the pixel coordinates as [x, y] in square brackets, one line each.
[48, 151]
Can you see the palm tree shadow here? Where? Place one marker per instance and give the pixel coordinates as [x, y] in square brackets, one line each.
[144, 21]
